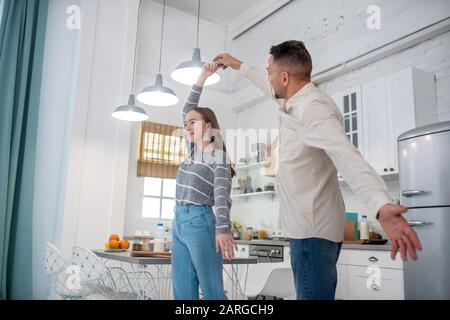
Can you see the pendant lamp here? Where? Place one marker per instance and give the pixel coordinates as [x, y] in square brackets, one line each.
[157, 94]
[187, 72]
[131, 112]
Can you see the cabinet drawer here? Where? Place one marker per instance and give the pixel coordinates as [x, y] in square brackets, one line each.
[342, 282]
[366, 258]
[343, 259]
[368, 284]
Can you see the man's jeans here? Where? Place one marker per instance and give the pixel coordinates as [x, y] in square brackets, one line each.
[195, 260]
[313, 262]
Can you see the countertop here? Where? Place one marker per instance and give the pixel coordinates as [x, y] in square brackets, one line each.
[126, 257]
[347, 246]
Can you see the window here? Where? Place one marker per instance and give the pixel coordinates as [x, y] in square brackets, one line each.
[158, 198]
[161, 150]
[350, 112]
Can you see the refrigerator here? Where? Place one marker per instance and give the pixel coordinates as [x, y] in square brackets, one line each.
[424, 178]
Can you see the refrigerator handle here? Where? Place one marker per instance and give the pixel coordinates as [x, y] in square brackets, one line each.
[419, 223]
[410, 193]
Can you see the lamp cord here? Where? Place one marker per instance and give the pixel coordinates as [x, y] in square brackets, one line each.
[162, 35]
[198, 22]
[136, 46]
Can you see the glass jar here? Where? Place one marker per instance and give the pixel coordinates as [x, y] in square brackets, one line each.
[137, 244]
[146, 245]
[248, 233]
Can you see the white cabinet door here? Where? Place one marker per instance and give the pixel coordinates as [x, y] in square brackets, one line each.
[373, 283]
[349, 102]
[376, 136]
[392, 105]
[400, 110]
[342, 282]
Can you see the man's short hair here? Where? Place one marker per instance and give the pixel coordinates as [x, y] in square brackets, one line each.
[293, 55]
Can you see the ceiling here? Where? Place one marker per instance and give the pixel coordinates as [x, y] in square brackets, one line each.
[218, 11]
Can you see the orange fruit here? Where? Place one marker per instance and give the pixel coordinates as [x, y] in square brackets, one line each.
[114, 244]
[114, 237]
[124, 244]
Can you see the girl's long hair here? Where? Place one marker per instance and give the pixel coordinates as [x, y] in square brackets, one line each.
[209, 116]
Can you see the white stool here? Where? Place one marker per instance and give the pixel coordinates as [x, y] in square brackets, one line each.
[279, 283]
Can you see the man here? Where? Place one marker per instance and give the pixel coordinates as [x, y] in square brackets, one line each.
[312, 148]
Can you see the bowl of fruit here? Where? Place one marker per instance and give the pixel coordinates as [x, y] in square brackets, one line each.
[114, 244]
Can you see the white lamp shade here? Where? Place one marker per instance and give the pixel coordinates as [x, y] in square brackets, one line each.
[187, 72]
[130, 112]
[157, 98]
[158, 95]
[189, 76]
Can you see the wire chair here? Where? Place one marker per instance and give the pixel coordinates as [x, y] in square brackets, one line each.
[56, 266]
[100, 282]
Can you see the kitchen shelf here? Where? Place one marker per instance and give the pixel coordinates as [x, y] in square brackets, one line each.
[246, 195]
[250, 166]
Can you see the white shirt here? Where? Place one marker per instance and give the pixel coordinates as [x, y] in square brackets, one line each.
[313, 146]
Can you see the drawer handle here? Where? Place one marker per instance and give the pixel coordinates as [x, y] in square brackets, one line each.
[373, 259]
[411, 193]
[419, 223]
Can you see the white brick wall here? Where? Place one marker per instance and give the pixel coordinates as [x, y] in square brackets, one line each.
[432, 56]
[334, 31]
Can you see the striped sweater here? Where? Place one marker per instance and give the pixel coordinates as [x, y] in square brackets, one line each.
[204, 178]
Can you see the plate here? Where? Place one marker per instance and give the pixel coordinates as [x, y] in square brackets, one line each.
[115, 250]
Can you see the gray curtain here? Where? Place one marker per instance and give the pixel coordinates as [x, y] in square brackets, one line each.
[22, 38]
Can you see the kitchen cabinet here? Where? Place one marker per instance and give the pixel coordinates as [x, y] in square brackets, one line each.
[392, 105]
[369, 275]
[342, 275]
[367, 283]
[376, 138]
[378, 111]
[342, 285]
[362, 274]
[349, 103]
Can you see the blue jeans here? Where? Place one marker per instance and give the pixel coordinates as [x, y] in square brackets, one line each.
[313, 263]
[195, 261]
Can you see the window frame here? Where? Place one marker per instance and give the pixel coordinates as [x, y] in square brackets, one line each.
[161, 197]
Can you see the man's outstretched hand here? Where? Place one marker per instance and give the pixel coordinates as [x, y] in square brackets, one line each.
[401, 234]
[225, 60]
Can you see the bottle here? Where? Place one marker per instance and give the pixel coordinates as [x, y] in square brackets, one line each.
[159, 231]
[364, 228]
[159, 240]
